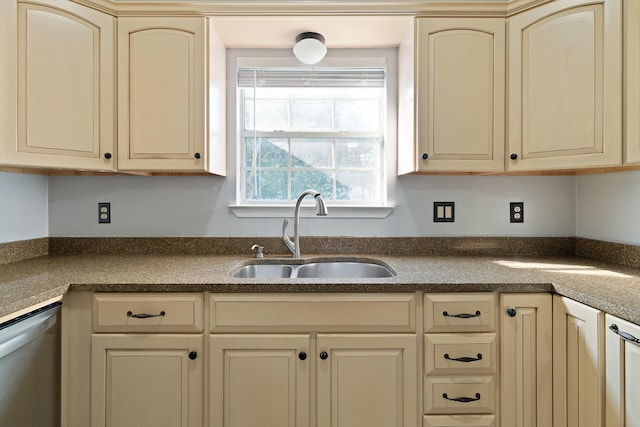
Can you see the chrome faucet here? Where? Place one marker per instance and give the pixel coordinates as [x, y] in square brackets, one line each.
[321, 210]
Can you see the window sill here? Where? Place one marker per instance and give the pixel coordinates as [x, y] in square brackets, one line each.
[277, 211]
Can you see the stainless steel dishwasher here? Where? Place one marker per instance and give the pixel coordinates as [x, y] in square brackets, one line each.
[30, 369]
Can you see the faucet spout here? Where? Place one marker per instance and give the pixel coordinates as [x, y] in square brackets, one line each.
[321, 210]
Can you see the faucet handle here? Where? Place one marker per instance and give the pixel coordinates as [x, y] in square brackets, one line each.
[259, 251]
[285, 223]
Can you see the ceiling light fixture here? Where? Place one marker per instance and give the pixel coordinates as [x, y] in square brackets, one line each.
[309, 48]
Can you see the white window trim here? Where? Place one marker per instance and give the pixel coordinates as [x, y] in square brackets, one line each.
[335, 57]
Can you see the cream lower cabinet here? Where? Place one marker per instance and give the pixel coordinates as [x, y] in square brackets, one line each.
[578, 364]
[163, 87]
[564, 85]
[57, 79]
[526, 360]
[623, 373]
[142, 375]
[292, 361]
[460, 360]
[460, 95]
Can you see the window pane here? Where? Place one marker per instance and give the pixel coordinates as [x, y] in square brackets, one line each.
[316, 180]
[310, 152]
[357, 153]
[269, 153]
[266, 185]
[358, 114]
[355, 185]
[272, 114]
[312, 114]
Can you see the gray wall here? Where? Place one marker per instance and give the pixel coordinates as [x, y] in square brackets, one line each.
[23, 207]
[608, 207]
[198, 206]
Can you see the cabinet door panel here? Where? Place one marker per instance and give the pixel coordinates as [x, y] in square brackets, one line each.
[260, 380]
[146, 380]
[460, 104]
[564, 85]
[623, 371]
[526, 360]
[578, 365]
[367, 380]
[632, 81]
[63, 87]
[161, 84]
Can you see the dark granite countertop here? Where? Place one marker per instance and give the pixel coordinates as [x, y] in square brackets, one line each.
[611, 288]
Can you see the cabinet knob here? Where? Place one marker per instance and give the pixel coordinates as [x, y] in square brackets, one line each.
[302, 355]
[425, 156]
[511, 312]
[197, 155]
[107, 156]
[324, 355]
[513, 156]
[193, 355]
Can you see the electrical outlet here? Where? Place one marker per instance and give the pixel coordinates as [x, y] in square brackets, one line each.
[444, 211]
[104, 213]
[516, 212]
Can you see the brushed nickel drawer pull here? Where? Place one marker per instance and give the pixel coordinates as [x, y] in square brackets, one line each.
[462, 399]
[463, 359]
[144, 315]
[461, 315]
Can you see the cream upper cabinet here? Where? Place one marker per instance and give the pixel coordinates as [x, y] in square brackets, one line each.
[163, 102]
[526, 360]
[632, 81]
[564, 86]
[57, 81]
[460, 94]
[578, 364]
[623, 371]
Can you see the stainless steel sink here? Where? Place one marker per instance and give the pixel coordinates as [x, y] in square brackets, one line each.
[319, 269]
[343, 269]
[264, 271]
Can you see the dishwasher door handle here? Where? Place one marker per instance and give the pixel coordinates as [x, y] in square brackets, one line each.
[40, 326]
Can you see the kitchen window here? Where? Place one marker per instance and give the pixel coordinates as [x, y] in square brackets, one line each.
[320, 127]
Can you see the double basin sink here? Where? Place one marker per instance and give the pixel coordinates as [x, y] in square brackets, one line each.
[323, 268]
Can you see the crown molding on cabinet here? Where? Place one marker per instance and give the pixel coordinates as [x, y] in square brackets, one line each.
[499, 8]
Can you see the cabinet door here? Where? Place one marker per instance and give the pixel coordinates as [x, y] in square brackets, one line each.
[161, 94]
[146, 380]
[367, 380]
[623, 374]
[460, 94]
[564, 85]
[578, 364]
[632, 80]
[526, 360]
[260, 380]
[57, 79]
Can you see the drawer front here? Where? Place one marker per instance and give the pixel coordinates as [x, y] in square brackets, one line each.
[459, 395]
[460, 353]
[147, 312]
[312, 313]
[460, 421]
[465, 312]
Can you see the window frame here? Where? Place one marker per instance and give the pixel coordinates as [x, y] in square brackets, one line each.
[335, 58]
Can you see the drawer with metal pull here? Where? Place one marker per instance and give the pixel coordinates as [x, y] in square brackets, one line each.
[464, 312]
[460, 353]
[459, 395]
[148, 312]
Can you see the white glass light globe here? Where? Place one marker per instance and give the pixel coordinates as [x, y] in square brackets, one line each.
[309, 48]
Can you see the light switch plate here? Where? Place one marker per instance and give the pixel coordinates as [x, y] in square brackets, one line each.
[444, 211]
